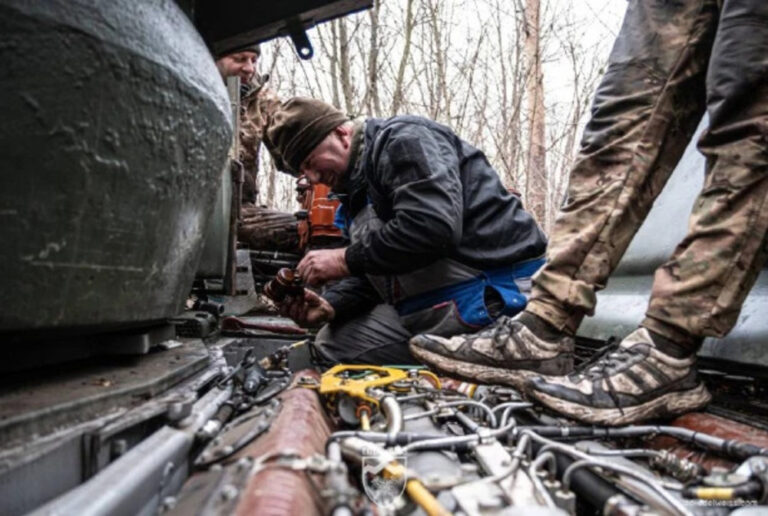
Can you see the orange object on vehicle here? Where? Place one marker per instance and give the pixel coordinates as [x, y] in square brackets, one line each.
[316, 228]
[322, 212]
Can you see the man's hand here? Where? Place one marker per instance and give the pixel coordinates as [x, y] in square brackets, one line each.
[307, 311]
[319, 267]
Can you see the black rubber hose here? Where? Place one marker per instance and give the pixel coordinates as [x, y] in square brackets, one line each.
[595, 490]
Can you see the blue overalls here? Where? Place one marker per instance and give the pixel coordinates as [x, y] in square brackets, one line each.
[446, 297]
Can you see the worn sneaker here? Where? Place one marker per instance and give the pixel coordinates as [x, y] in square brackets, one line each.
[507, 352]
[630, 383]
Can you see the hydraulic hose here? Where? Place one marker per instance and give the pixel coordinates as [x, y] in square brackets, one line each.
[736, 450]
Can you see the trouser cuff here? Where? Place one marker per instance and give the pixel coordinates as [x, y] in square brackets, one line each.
[682, 338]
[564, 320]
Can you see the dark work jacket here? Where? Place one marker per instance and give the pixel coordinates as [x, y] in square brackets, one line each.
[438, 198]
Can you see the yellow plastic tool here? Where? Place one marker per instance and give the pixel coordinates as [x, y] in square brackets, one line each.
[333, 382]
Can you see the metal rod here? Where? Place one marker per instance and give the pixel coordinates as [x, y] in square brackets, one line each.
[540, 489]
[675, 505]
[545, 457]
[391, 409]
[419, 415]
[472, 403]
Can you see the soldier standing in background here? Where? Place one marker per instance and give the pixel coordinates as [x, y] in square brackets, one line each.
[670, 63]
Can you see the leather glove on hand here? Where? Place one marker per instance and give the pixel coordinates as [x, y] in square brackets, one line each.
[310, 310]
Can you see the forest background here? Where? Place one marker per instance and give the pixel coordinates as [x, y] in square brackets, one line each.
[514, 78]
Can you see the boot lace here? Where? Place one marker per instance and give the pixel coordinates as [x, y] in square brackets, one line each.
[600, 367]
[499, 328]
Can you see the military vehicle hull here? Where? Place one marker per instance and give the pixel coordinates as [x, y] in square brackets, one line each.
[116, 128]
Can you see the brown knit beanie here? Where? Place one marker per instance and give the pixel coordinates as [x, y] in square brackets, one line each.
[297, 127]
[255, 48]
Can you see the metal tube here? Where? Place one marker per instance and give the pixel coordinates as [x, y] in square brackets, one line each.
[674, 504]
[519, 453]
[205, 408]
[517, 456]
[634, 452]
[419, 415]
[130, 484]
[334, 452]
[337, 483]
[382, 437]
[394, 414]
[467, 421]
[510, 407]
[514, 404]
[545, 457]
[540, 489]
[472, 403]
[124, 486]
[440, 443]
[731, 448]
[413, 397]
[448, 442]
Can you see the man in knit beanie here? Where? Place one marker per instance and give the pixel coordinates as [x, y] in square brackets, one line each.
[239, 62]
[438, 244]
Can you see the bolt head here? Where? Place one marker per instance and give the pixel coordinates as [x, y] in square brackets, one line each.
[229, 492]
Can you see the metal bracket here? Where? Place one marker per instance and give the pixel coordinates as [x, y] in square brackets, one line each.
[237, 434]
[300, 39]
[290, 459]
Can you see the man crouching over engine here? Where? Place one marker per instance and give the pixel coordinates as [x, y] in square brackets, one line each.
[438, 245]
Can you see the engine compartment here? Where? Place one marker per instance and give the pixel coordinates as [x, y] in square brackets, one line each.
[260, 425]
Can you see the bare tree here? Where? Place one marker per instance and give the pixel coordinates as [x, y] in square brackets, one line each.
[371, 101]
[397, 96]
[344, 65]
[479, 66]
[536, 186]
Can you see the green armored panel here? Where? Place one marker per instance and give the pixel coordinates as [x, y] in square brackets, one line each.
[114, 132]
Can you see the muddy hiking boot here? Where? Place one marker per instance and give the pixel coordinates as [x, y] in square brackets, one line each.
[506, 352]
[632, 382]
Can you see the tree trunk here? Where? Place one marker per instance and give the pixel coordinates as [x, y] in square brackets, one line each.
[536, 185]
[372, 94]
[397, 96]
[346, 79]
[334, 59]
[442, 102]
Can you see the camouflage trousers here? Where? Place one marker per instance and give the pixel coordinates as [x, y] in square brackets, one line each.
[672, 61]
